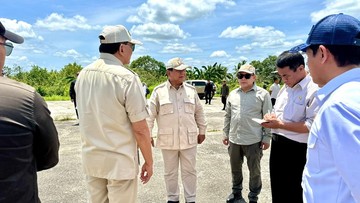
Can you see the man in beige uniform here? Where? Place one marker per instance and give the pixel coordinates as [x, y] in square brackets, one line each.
[112, 115]
[181, 126]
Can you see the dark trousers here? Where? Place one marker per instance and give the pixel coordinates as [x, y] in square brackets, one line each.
[273, 100]
[223, 100]
[253, 154]
[208, 97]
[287, 161]
[75, 106]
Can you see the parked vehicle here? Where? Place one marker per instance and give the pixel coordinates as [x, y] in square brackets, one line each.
[199, 86]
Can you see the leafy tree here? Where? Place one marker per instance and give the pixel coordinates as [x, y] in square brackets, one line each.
[150, 71]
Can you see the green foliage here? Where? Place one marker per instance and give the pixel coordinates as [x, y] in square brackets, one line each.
[54, 85]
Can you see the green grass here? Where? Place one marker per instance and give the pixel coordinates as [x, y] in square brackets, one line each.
[57, 98]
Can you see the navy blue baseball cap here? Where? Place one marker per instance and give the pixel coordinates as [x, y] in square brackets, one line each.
[335, 29]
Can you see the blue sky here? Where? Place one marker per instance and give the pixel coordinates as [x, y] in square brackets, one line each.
[201, 32]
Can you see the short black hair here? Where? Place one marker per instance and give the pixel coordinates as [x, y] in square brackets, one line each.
[291, 59]
[344, 54]
[111, 48]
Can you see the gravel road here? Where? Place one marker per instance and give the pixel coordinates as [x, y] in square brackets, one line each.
[65, 182]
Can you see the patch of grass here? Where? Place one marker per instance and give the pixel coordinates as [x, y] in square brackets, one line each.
[56, 98]
[214, 130]
[64, 118]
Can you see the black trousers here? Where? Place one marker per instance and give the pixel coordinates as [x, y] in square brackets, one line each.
[287, 161]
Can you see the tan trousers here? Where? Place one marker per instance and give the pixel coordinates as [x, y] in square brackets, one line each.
[187, 160]
[102, 190]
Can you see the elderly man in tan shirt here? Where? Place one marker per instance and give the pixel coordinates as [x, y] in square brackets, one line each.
[181, 127]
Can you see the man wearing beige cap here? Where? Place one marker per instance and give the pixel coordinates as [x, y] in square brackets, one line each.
[181, 127]
[28, 137]
[244, 136]
[112, 118]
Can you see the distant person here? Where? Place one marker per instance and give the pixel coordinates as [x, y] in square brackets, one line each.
[28, 138]
[112, 114]
[245, 137]
[294, 112]
[73, 95]
[274, 90]
[224, 93]
[208, 92]
[176, 107]
[146, 90]
[332, 170]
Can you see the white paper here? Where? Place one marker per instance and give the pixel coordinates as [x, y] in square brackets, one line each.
[259, 121]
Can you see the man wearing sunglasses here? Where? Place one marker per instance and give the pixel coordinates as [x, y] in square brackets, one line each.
[245, 137]
[112, 119]
[28, 138]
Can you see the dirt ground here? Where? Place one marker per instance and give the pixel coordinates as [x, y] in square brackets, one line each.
[66, 182]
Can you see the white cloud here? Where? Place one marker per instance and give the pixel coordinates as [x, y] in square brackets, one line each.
[349, 7]
[19, 27]
[176, 11]
[180, 48]
[220, 54]
[69, 53]
[253, 33]
[156, 32]
[57, 21]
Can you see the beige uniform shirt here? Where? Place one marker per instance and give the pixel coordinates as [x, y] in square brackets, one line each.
[110, 98]
[179, 116]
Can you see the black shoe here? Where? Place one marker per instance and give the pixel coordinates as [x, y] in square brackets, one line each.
[76, 124]
[172, 201]
[235, 198]
[253, 202]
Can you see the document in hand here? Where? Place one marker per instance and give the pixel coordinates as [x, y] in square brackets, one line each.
[259, 121]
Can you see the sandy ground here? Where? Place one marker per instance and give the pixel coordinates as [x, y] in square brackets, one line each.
[66, 182]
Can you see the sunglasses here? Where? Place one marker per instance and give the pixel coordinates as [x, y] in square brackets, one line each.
[8, 47]
[247, 76]
[131, 45]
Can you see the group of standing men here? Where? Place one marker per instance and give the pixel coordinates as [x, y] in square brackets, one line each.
[314, 122]
[314, 132]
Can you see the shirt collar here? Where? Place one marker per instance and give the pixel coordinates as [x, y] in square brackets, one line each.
[332, 85]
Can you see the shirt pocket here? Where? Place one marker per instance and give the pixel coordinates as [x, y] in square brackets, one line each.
[192, 134]
[189, 105]
[295, 113]
[313, 164]
[165, 137]
[166, 107]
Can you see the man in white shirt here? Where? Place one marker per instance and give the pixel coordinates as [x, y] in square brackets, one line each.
[274, 90]
[293, 115]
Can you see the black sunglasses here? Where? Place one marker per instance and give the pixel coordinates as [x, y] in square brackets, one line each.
[247, 76]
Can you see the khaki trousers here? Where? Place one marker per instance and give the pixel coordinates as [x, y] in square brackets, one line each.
[187, 160]
[102, 190]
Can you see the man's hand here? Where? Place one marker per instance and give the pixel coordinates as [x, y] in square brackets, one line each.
[226, 141]
[200, 138]
[264, 145]
[146, 173]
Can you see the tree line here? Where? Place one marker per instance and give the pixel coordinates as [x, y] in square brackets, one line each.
[55, 83]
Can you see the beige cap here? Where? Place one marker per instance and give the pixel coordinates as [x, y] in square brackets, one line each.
[177, 64]
[247, 68]
[116, 34]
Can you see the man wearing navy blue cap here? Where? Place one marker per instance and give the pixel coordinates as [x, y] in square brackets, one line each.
[28, 138]
[332, 170]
